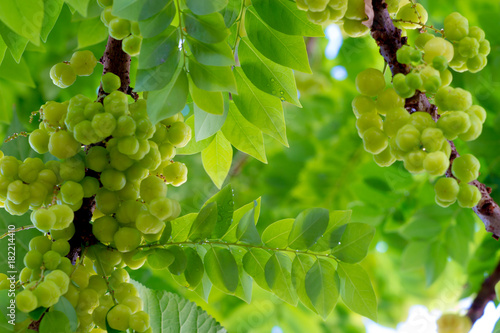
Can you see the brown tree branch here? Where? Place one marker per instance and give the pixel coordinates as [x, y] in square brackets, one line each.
[117, 62]
[484, 296]
[389, 40]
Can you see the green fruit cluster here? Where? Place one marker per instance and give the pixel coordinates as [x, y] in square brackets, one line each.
[112, 152]
[390, 133]
[122, 29]
[469, 43]
[97, 287]
[64, 74]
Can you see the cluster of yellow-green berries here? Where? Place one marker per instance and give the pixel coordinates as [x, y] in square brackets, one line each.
[97, 287]
[416, 139]
[82, 63]
[121, 29]
[348, 13]
[110, 151]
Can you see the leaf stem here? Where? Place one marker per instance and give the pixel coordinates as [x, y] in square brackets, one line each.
[249, 246]
[26, 227]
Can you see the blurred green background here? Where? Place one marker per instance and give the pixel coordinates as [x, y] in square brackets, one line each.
[325, 166]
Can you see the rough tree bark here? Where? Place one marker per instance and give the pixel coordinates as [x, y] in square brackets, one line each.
[389, 40]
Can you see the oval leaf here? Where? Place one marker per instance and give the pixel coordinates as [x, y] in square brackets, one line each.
[322, 286]
[356, 290]
[278, 277]
[308, 227]
[276, 234]
[354, 242]
[222, 269]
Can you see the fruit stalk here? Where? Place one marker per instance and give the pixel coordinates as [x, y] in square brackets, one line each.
[389, 40]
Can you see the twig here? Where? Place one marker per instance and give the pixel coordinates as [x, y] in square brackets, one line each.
[26, 227]
[484, 296]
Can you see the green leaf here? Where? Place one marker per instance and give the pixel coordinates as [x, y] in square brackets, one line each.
[136, 10]
[194, 269]
[179, 264]
[158, 77]
[55, 321]
[246, 230]
[243, 135]
[301, 264]
[333, 232]
[217, 158]
[194, 146]
[322, 286]
[292, 21]
[278, 277]
[160, 258]
[16, 72]
[254, 263]
[81, 6]
[212, 78]
[230, 235]
[204, 224]
[207, 28]
[308, 227]
[68, 310]
[3, 49]
[51, 11]
[426, 223]
[245, 282]
[209, 101]
[170, 100]
[206, 124]
[90, 32]
[225, 208]
[170, 313]
[159, 22]
[181, 227]
[157, 50]
[354, 242]
[259, 108]
[435, 262]
[166, 233]
[15, 43]
[457, 244]
[201, 7]
[414, 255]
[276, 234]
[25, 17]
[231, 12]
[222, 269]
[286, 50]
[266, 75]
[356, 290]
[37, 313]
[218, 54]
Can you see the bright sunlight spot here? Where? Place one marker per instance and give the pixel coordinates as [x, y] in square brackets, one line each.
[338, 73]
[334, 36]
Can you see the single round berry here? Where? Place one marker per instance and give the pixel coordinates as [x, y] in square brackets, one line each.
[83, 62]
[63, 75]
[370, 82]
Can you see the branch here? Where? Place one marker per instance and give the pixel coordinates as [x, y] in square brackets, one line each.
[485, 295]
[116, 61]
[389, 40]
